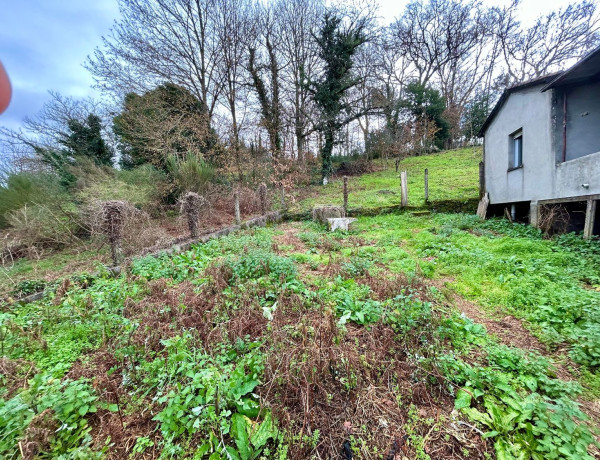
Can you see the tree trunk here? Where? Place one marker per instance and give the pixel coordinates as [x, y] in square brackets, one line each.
[327, 169]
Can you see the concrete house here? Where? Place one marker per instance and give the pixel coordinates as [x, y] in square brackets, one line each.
[542, 147]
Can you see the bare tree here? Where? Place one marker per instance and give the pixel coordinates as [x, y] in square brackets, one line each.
[47, 128]
[365, 95]
[297, 24]
[551, 42]
[157, 41]
[421, 34]
[232, 19]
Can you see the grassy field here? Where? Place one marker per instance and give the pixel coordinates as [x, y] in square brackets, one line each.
[291, 342]
[453, 175]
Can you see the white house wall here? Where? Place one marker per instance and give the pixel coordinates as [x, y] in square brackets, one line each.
[573, 176]
[530, 110]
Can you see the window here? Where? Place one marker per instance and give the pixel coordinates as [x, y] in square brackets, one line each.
[516, 150]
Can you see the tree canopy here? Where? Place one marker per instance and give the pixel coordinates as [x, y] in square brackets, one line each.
[165, 121]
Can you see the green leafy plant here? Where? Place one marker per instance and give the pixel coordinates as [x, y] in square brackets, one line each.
[60, 409]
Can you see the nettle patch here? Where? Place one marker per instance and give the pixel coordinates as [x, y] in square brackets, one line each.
[233, 350]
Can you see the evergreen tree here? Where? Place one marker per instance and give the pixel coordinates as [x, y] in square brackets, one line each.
[427, 104]
[60, 162]
[85, 140]
[82, 140]
[476, 112]
[337, 46]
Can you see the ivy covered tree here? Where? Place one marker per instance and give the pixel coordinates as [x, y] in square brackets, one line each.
[427, 106]
[168, 120]
[84, 139]
[338, 42]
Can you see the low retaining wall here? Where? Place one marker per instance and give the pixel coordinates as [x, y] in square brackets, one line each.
[277, 216]
[180, 246]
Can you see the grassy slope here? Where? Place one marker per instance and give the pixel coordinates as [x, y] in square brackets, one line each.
[453, 175]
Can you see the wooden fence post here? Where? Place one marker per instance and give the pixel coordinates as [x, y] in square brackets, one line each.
[481, 179]
[262, 193]
[590, 214]
[236, 199]
[345, 196]
[426, 185]
[283, 205]
[404, 185]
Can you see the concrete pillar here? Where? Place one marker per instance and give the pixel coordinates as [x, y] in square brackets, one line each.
[404, 185]
[590, 215]
[534, 214]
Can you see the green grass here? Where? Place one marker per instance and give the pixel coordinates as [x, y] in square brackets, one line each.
[453, 175]
[553, 284]
[24, 271]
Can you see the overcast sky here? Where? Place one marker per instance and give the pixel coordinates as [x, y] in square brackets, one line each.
[43, 44]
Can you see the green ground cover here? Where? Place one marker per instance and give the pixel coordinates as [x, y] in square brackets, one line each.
[26, 275]
[291, 342]
[553, 284]
[453, 175]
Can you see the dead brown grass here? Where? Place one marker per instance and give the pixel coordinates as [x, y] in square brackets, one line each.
[357, 387]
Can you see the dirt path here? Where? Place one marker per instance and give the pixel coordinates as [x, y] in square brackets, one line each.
[511, 332]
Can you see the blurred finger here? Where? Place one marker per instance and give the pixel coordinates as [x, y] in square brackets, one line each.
[5, 89]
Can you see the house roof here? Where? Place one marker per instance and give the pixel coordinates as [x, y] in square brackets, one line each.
[586, 69]
[512, 89]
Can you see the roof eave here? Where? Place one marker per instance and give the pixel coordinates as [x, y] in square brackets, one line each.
[558, 81]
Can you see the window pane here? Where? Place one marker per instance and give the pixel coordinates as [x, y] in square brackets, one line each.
[518, 152]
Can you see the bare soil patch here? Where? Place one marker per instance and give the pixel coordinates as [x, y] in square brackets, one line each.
[509, 330]
[290, 237]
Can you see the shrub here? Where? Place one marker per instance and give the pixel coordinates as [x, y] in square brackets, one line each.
[40, 225]
[138, 231]
[191, 174]
[143, 187]
[26, 188]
